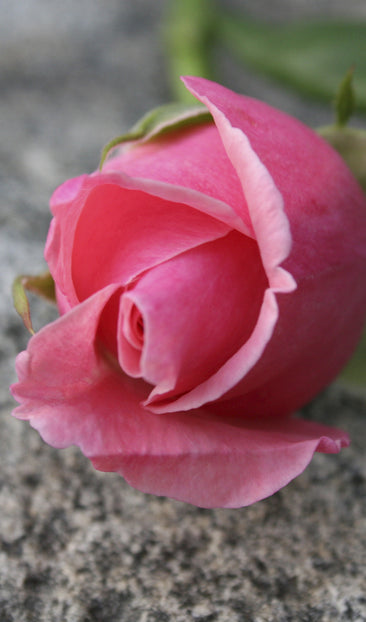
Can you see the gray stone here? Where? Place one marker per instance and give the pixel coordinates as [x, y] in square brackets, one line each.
[77, 545]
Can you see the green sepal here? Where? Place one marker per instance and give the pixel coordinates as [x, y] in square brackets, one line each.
[351, 145]
[161, 120]
[344, 102]
[354, 374]
[42, 285]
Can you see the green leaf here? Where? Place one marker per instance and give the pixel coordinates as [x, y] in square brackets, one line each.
[351, 145]
[310, 57]
[187, 36]
[345, 99]
[354, 374]
[42, 285]
[159, 121]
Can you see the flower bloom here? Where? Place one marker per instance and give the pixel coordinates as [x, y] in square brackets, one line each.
[210, 282]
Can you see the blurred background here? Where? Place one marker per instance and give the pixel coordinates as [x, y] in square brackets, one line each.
[81, 546]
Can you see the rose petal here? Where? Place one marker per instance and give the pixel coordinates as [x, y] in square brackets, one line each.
[130, 337]
[160, 215]
[327, 212]
[209, 462]
[197, 309]
[121, 233]
[271, 227]
[264, 200]
[177, 159]
[293, 370]
[43, 371]
[72, 396]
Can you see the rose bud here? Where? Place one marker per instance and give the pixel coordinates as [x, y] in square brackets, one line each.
[211, 281]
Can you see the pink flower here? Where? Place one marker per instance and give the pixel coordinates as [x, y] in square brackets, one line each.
[210, 282]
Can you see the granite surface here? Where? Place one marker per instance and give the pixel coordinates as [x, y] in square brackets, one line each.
[77, 545]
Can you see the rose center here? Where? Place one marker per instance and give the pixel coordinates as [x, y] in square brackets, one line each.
[133, 325]
[140, 327]
[184, 318]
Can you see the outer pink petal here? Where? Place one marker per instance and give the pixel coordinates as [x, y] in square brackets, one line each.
[61, 361]
[327, 211]
[294, 369]
[264, 200]
[71, 396]
[322, 201]
[214, 463]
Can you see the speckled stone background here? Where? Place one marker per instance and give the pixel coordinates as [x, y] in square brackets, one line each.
[81, 546]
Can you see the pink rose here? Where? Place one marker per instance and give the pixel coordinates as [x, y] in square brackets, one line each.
[210, 282]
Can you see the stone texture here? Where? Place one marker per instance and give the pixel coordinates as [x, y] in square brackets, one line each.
[81, 546]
